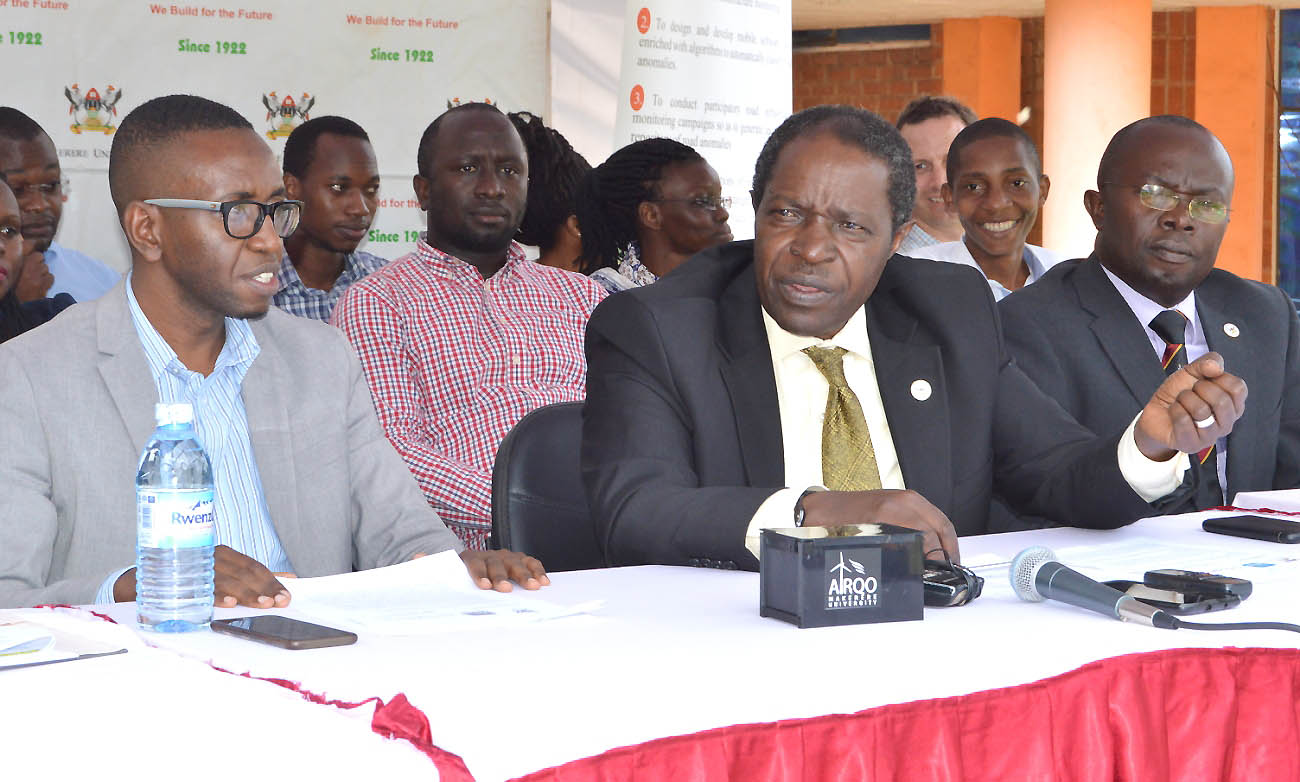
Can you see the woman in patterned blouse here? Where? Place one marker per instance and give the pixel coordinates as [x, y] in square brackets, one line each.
[645, 210]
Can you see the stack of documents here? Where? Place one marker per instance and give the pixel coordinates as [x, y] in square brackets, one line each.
[1286, 499]
[427, 595]
[19, 638]
[24, 643]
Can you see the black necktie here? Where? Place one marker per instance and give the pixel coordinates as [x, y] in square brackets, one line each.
[1171, 326]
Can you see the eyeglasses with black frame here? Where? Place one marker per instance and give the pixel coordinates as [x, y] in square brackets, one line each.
[1166, 199]
[243, 217]
[699, 202]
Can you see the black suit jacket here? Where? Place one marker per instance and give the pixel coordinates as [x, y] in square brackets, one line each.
[1074, 335]
[682, 434]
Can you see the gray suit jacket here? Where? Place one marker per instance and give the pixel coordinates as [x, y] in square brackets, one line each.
[1074, 335]
[76, 408]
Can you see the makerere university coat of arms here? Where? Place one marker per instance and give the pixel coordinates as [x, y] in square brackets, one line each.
[286, 115]
[90, 112]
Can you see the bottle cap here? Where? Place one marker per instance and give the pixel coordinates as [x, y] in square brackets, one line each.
[173, 413]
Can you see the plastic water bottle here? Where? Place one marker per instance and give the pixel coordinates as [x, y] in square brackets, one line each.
[175, 531]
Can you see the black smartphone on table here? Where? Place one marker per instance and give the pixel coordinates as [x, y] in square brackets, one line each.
[284, 632]
[1175, 602]
[1195, 581]
[1256, 527]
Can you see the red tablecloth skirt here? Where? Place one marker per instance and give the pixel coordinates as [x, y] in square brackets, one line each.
[1184, 714]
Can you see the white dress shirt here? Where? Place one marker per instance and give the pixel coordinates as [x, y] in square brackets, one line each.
[801, 392]
[1038, 259]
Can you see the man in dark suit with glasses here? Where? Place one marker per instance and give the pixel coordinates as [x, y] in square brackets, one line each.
[1099, 334]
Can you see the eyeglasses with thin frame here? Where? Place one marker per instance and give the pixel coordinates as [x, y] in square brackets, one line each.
[1165, 199]
[45, 189]
[699, 202]
[243, 218]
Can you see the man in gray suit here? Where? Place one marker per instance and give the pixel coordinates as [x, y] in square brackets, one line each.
[1101, 333]
[306, 482]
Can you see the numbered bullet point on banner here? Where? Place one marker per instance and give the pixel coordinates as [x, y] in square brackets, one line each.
[643, 20]
[638, 98]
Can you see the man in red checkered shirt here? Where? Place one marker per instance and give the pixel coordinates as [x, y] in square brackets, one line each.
[463, 337]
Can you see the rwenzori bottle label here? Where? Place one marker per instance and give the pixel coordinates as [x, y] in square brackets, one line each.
[175, 518]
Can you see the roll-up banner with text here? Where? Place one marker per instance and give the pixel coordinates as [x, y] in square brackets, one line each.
[79, 66]
[714, 74]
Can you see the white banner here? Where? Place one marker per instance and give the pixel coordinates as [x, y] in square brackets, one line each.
[714, 74]
[389, 65]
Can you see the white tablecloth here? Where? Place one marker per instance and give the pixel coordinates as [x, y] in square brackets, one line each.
[150, 714]
[673, 651]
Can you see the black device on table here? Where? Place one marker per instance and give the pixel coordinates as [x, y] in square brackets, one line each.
[1175, 602]
[1256, 527]
[1185, 592]
[284, 632]
[1193, 581]
[949, 584]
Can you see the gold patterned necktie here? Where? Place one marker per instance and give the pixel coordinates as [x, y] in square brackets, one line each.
[848, 460]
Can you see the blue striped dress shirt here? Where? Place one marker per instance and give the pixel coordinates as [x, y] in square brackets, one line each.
[243, 521]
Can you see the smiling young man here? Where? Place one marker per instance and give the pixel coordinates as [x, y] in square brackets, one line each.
[330, 166]
[996, 185]
[305, 481]
[1099, 334]
[463, 337]
[30, 164]
[726, 397]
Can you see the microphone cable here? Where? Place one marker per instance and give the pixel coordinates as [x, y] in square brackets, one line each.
[1181, 623]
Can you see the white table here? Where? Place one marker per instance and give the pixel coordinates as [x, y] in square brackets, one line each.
[673, 651]
[150, 714]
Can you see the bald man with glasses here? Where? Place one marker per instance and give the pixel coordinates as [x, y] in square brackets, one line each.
[1100, 334]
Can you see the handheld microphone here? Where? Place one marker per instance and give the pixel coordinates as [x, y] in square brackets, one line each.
[1037, 576]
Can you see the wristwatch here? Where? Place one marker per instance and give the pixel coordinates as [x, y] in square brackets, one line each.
[799, 511]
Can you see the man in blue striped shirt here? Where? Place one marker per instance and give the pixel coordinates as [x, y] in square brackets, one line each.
[306, 482]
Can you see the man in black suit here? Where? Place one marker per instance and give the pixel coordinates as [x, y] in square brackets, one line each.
[1090, 333]
[706, 419]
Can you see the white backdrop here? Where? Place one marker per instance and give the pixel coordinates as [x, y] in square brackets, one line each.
[334, 56]
[563, 58]
[714, 74]
[586, 55]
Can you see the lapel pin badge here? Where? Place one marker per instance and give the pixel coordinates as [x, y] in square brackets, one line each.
[921, 390]
[1231, 330]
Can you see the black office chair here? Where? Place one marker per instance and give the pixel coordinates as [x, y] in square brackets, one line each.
[539, 505]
